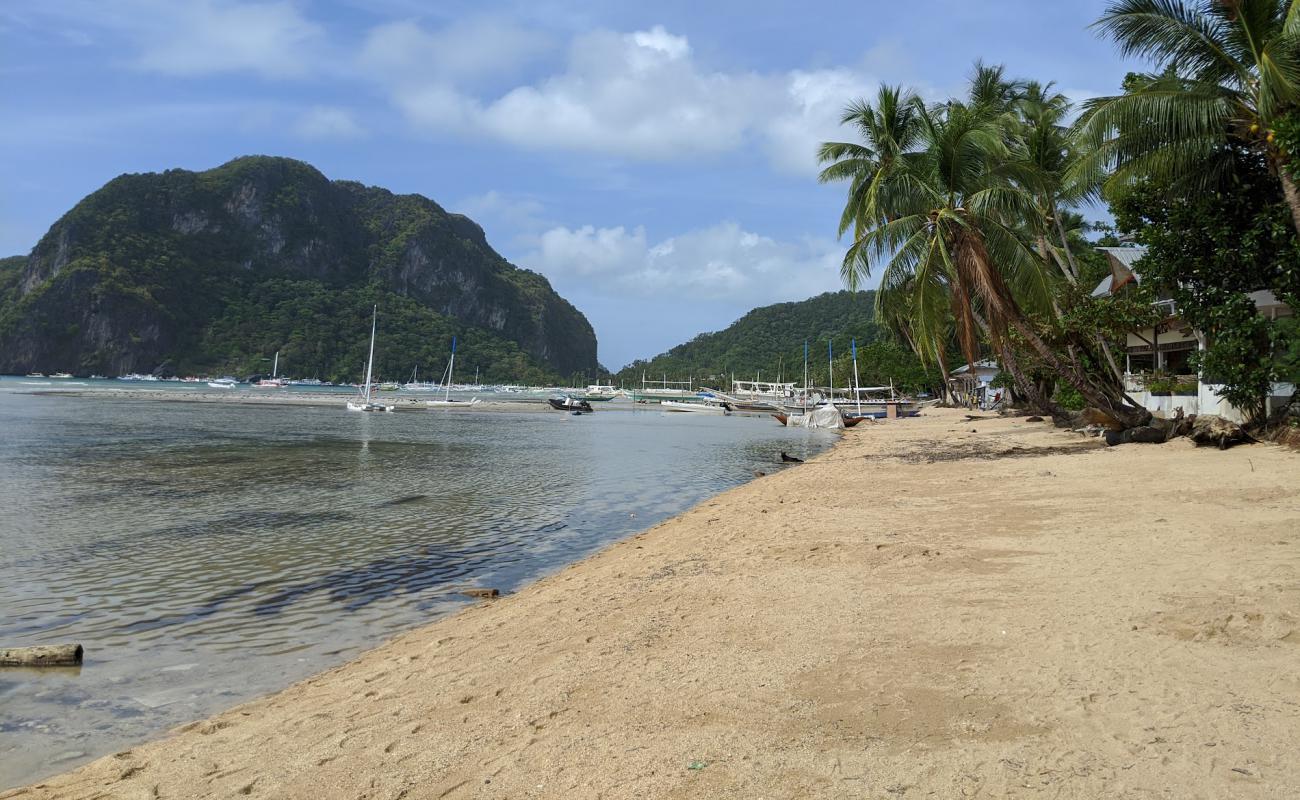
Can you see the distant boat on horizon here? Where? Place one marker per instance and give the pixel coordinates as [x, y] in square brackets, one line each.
[275, 381]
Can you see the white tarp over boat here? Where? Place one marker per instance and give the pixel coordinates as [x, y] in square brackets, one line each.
[820, 417]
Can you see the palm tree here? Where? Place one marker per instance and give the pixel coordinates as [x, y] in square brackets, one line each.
[945, 213]
[1228, 71]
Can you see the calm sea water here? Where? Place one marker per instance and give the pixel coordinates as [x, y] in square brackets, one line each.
[206, 554]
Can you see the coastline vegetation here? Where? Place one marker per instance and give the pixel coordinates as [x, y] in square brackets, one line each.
[967, 207]
[767, 344]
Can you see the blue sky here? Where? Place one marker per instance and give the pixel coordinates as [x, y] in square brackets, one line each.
[653, 160]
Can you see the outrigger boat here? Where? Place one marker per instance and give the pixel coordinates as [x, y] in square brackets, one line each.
[599, 393]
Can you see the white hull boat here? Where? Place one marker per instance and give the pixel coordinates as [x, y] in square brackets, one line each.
[693, 408]
[365, 403]
[446, 401]
[449, 402]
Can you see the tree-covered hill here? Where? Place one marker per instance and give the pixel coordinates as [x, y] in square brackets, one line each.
[769, 341]
[213, 272]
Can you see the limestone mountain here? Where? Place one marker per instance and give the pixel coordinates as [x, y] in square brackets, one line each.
[215, 271]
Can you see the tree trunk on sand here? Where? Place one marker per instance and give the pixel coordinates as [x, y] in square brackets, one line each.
[945, 391]
[999, 302]
[1292, 194]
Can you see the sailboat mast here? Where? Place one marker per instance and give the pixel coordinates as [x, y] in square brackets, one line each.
[830, 371]
[857, 390]
[451, 365]
[275, 368]
[370, 362]
[805, 376]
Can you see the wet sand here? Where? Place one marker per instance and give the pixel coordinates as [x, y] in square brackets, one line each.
[934, 608]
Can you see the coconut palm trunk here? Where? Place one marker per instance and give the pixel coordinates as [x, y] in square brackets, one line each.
[1292, 194]
[1004, 313]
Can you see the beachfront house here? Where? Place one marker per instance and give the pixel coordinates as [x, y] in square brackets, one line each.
[972, 384]
[1157, 360]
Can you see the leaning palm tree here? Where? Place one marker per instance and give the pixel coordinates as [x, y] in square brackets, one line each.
[1227, 72]
[946, 212]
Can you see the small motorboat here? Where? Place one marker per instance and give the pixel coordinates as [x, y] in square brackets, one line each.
[223, 383]
[569, 404]
[61, 375]
[695, 408]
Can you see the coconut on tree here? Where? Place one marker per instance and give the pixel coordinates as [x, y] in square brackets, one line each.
[1227, 75]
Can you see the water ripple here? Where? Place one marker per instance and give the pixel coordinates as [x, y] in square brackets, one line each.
[206, 554]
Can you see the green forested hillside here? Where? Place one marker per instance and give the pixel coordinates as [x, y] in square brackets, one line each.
[769, 340]
[212, 272]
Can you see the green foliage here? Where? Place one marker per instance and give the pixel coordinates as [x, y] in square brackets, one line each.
[324, 332]
[211, 271]
[10, 270]
[1208, 250]
[769, 340]
[1068, 397]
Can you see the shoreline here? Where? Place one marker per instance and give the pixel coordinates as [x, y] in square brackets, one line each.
[296, 399]
[931, 606]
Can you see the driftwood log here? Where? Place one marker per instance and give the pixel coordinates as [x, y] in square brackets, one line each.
[55, 655]
[483, 593]
[1219, 432]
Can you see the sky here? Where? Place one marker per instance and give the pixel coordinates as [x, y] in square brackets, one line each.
[655, 161]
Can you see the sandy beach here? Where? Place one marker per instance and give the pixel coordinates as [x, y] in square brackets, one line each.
[933, 608]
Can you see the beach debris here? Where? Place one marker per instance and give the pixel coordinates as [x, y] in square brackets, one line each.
[1034, 418]
[1143, 434]
[1211, 429]
[759, 473]
[481, 593]
[789, 459]
[697, 765]
[55, 655]
[1095, 416]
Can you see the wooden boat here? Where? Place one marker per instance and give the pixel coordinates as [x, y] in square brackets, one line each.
[849, 422]
[569, 404]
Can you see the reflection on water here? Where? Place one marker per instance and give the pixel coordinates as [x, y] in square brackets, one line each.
[206, 554]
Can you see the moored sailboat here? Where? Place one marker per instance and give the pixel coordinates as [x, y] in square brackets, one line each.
[446, 383]
[365, 403]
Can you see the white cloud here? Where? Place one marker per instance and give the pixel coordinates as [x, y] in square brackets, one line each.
[195, 37]
[815, 102]
[721, 261]
[325, 122]
[405, 54]
[211, 36]
[640, 95]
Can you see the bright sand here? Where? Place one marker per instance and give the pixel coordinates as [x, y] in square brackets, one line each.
[923, 611]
